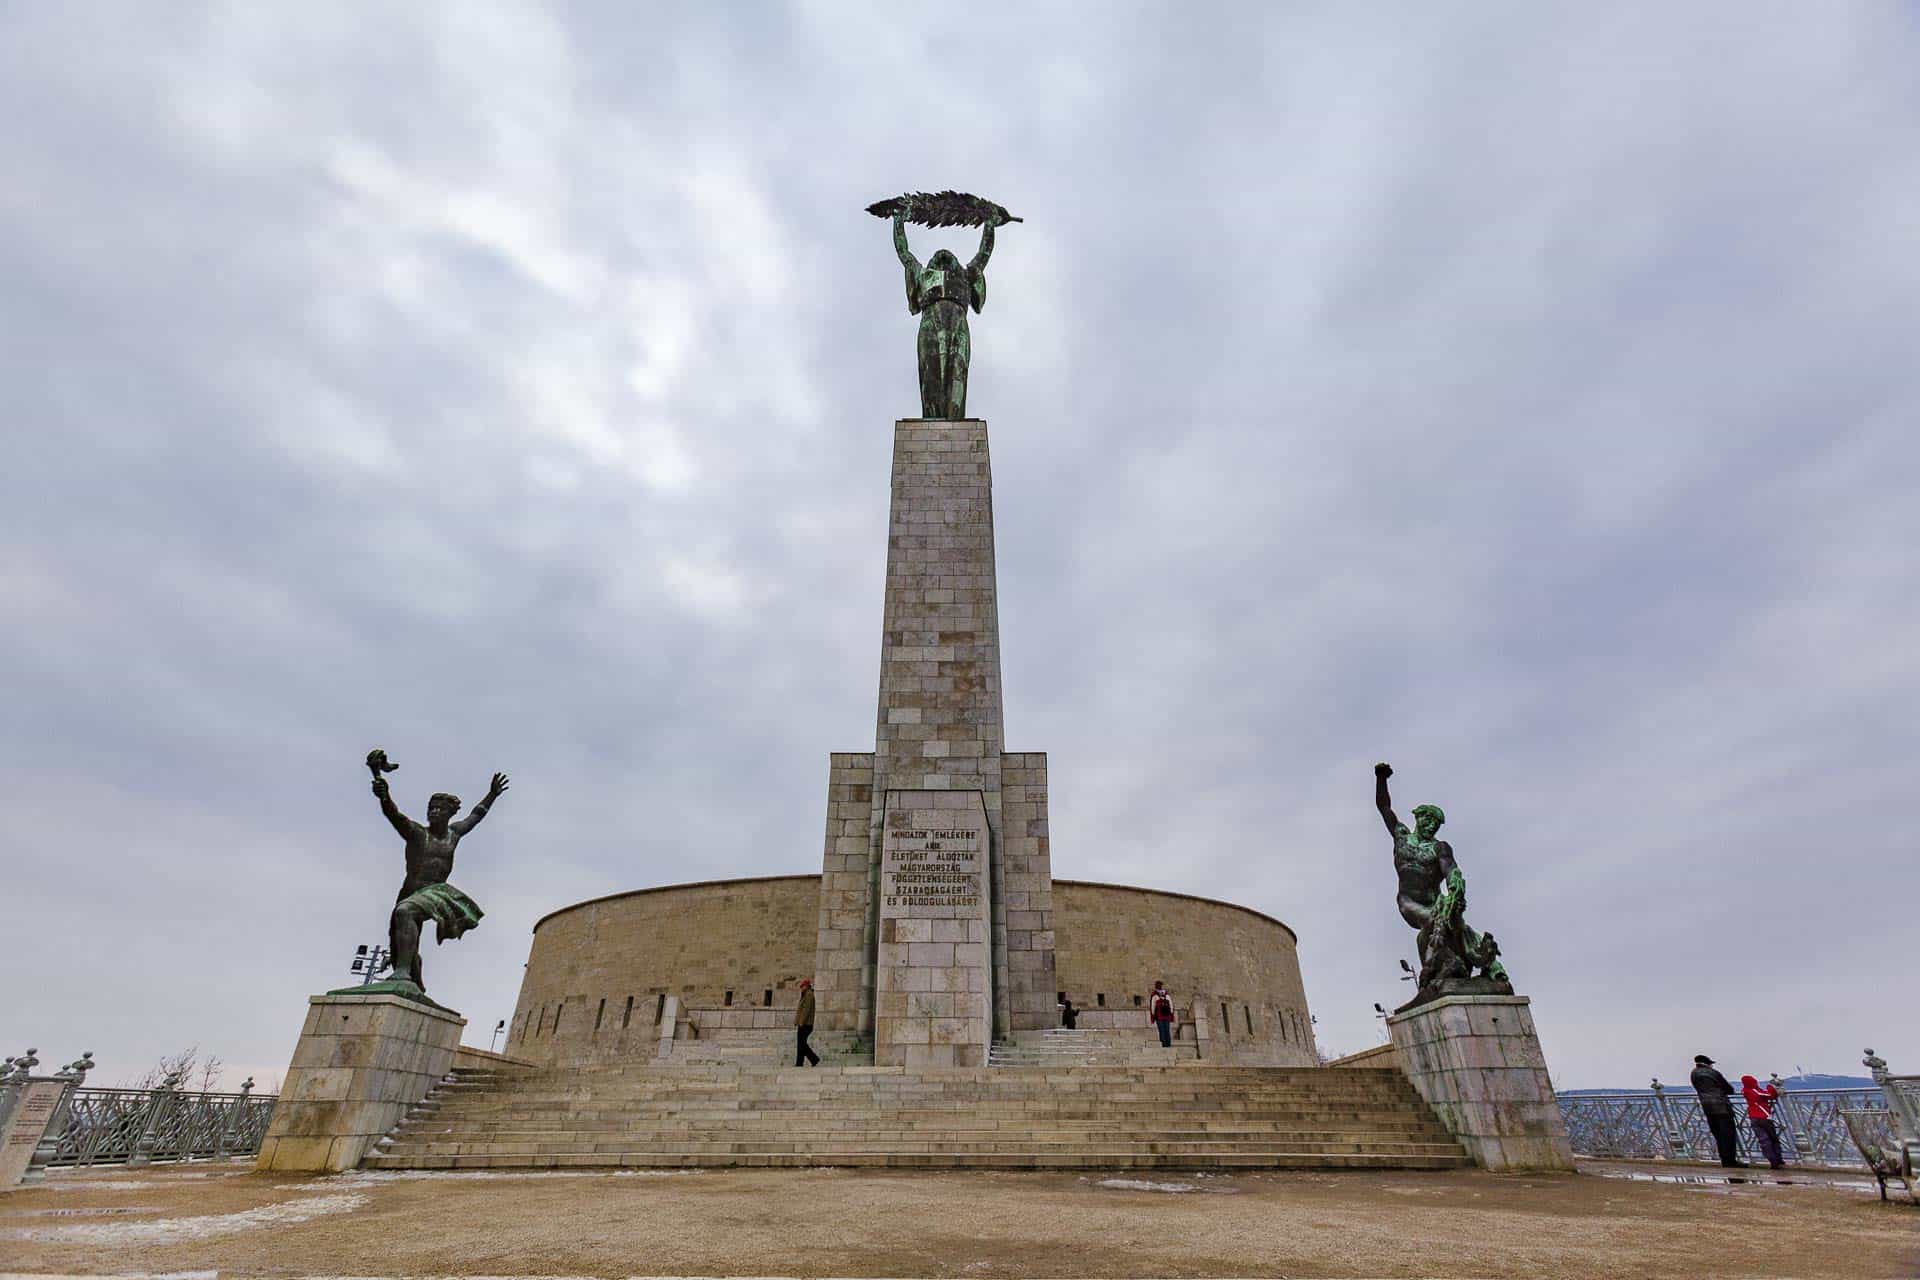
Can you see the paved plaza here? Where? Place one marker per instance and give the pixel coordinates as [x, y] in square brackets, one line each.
[882, 1223]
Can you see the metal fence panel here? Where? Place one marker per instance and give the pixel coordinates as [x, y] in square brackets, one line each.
[1668, 1124]
[113, 1126]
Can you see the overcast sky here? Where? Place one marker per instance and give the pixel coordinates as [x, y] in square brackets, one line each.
[1523, 394]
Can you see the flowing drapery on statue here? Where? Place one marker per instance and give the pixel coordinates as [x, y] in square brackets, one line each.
[942, 289]
[1454, 957]
[425, 894]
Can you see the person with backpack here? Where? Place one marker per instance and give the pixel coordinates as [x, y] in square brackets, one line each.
[1760, 1105]
[1160, 1009]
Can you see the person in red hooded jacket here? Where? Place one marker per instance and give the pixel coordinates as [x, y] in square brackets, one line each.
[1761, 1099]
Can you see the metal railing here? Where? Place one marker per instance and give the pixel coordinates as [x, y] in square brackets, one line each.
[151, 1126]
[1667, 1124]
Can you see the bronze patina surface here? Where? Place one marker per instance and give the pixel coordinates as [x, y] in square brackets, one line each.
[941, 290]
[425, 894]
[1455, 959]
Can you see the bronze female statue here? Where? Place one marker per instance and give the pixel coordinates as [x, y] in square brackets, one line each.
[941, 290]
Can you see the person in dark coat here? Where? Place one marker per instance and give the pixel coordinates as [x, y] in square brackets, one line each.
[1716, 1103]
[803, 1027]
[1068, 1014]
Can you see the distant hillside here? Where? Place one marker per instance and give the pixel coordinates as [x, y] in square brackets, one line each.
[1812, 1080]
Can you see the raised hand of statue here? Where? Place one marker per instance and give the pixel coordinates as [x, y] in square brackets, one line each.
[1383, 770]
[498, 788]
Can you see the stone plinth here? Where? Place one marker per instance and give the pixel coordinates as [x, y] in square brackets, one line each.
[361, 1062]
[25, 1125]
[933, 1006]
[939, 728]
[1477, 1062]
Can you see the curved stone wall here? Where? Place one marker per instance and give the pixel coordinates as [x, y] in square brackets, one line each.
[734, 951]
[723, 943]
[1234, 973]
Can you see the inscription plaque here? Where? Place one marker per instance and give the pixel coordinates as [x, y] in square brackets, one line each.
[934, 1001]
[26, 1127]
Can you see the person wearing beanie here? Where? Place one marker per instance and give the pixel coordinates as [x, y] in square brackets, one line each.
[803, 1054]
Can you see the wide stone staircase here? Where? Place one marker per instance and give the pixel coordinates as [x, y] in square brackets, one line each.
[1184, 1117]
[1059, 1047]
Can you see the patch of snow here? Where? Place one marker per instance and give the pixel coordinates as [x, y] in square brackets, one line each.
[1135, 1184]
[176, 1230]
[370, 1177]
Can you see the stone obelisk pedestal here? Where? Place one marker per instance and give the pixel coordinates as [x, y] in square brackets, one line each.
[934, 1007]
[938, 749]
[362, 1061]
[1476, 1059]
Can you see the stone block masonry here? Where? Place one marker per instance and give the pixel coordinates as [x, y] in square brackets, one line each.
[938, 728]
[608, 977]
[933, 1008]
[1477, 1062]
[843, 977]
[360, 1064]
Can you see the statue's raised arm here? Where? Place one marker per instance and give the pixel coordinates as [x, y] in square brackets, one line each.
[1381, 800]
[377, 765]
[479, 811]
[977, 269]
[908, 262]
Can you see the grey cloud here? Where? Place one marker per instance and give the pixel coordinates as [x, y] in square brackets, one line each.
[1516, 397]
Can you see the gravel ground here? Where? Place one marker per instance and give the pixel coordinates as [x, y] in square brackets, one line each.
[875, 1223]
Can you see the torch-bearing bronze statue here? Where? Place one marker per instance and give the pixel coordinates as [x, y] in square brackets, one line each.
[425, 894]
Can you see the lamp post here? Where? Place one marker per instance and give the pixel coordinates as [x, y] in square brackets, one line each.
[498, 1027]
[370, 962]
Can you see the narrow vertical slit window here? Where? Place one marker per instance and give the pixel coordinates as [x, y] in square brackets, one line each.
[626, 1019]
[599, 1015]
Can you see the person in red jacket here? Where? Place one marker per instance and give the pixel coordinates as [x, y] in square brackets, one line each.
[1160, 1009]
[1760, 1103]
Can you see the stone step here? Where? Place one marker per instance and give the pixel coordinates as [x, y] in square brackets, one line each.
[1080, 1159]
[797, 1089]
[669, 1135]
[667, 1141]
[946, 1119]
[823, 1149]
